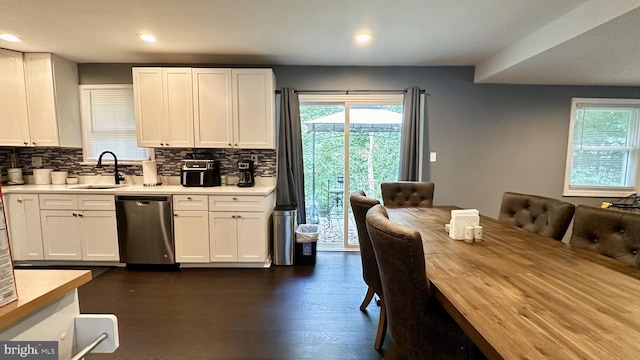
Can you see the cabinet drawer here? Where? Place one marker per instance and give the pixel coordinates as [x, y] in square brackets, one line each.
[237, 203]
[190, 202]
[58, 202]
[96, 202]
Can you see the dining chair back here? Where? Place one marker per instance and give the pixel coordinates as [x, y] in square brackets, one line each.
[420, 327]
[545, 216]
[613, 233]
[407, 194]
[360, 204]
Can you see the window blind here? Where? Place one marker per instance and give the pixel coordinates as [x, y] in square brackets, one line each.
[108, 123]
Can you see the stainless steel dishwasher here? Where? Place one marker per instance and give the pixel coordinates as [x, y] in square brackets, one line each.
[145, 229]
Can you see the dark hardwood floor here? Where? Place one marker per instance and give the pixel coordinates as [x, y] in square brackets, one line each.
[286, 312]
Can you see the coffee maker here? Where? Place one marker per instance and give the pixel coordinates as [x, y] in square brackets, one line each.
[245, 173]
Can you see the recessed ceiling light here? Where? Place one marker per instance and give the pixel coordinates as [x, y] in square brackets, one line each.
[364, 37]
[10, 38]
[147, 37]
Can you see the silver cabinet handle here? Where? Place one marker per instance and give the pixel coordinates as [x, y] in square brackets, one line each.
[239, 216]
[75, 214]
[34, 143]
[233, 216]
[167, 144]
[26, 143]
[188, 197]
[19, 200]
[235, 198]
[80, 214]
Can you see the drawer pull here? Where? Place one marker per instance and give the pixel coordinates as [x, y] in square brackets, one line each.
[235, 198]
[19, 200]
[188, 197]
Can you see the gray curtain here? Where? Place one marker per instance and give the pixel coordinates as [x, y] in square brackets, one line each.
[290, 190]
[411, 132]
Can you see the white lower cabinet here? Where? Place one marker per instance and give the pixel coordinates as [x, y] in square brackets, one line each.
[240, 236]
[25, 231]
[61, 235]
[99, 236]
[79, 227]
[191, 228]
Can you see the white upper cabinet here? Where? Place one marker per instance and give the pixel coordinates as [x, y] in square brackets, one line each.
[253, 108]
[212, 102]
[163, 99]
[13, 100]
[215, 108]
[52, 100]
[39, 103]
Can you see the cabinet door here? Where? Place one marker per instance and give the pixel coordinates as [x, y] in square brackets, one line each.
[43, 122]
[61, 234]
[253, 231]
[191, 230]
[223, 236]
[253, 108]
[14, 120]
[25, 231]
[99, 234]
[178, 107]
[212, 103]
[149, 107]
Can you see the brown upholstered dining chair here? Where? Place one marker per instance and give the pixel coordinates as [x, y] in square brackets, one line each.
[545, 216]
[419, 326]
[613, 233]
[360, 204]
[407, 194]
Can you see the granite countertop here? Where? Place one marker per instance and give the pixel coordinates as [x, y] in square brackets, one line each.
[135, 189]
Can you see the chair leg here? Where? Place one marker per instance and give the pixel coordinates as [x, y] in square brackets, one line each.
[367, 299]
[392, 353]
[382, 327]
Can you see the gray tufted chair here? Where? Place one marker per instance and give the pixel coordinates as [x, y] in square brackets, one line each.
[407, 194]
[420, 327]
[360, 204]
[542, 215]
[609, 232]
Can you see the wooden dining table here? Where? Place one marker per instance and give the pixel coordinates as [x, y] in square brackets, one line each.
[519, 295]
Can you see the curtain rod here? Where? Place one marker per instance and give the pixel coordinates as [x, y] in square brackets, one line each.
[347, 92]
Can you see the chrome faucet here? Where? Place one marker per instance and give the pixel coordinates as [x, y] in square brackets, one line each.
[117, 175]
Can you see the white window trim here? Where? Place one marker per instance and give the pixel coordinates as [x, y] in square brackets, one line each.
[107, 160]
[598, 191]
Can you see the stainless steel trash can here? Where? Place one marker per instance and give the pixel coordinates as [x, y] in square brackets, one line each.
[284, 232]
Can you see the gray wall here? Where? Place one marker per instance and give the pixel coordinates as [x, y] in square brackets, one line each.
[488, 138]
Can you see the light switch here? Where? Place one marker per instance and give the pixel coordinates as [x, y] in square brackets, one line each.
[432, 156]
[36, 161]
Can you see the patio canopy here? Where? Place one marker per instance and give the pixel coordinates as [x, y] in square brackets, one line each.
[360, 120]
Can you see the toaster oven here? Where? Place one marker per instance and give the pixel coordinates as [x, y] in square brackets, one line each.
[200, 173]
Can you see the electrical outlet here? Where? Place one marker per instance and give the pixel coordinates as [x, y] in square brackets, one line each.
[36, 161]
[432, 156]
[254, 158]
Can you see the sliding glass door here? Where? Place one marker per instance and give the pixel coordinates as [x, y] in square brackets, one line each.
[350, 143]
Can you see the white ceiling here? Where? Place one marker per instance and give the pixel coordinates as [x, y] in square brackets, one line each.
[509, 41]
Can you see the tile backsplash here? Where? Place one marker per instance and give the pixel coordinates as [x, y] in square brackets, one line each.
[169, 161]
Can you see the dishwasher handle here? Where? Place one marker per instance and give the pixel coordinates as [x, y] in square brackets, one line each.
[143, 200]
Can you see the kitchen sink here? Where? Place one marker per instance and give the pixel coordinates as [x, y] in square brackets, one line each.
[98, 186]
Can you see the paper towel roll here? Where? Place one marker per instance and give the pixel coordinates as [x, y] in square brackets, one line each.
[150, 173]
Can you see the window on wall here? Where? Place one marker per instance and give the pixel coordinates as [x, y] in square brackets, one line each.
[602, 156]
[109, 123]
